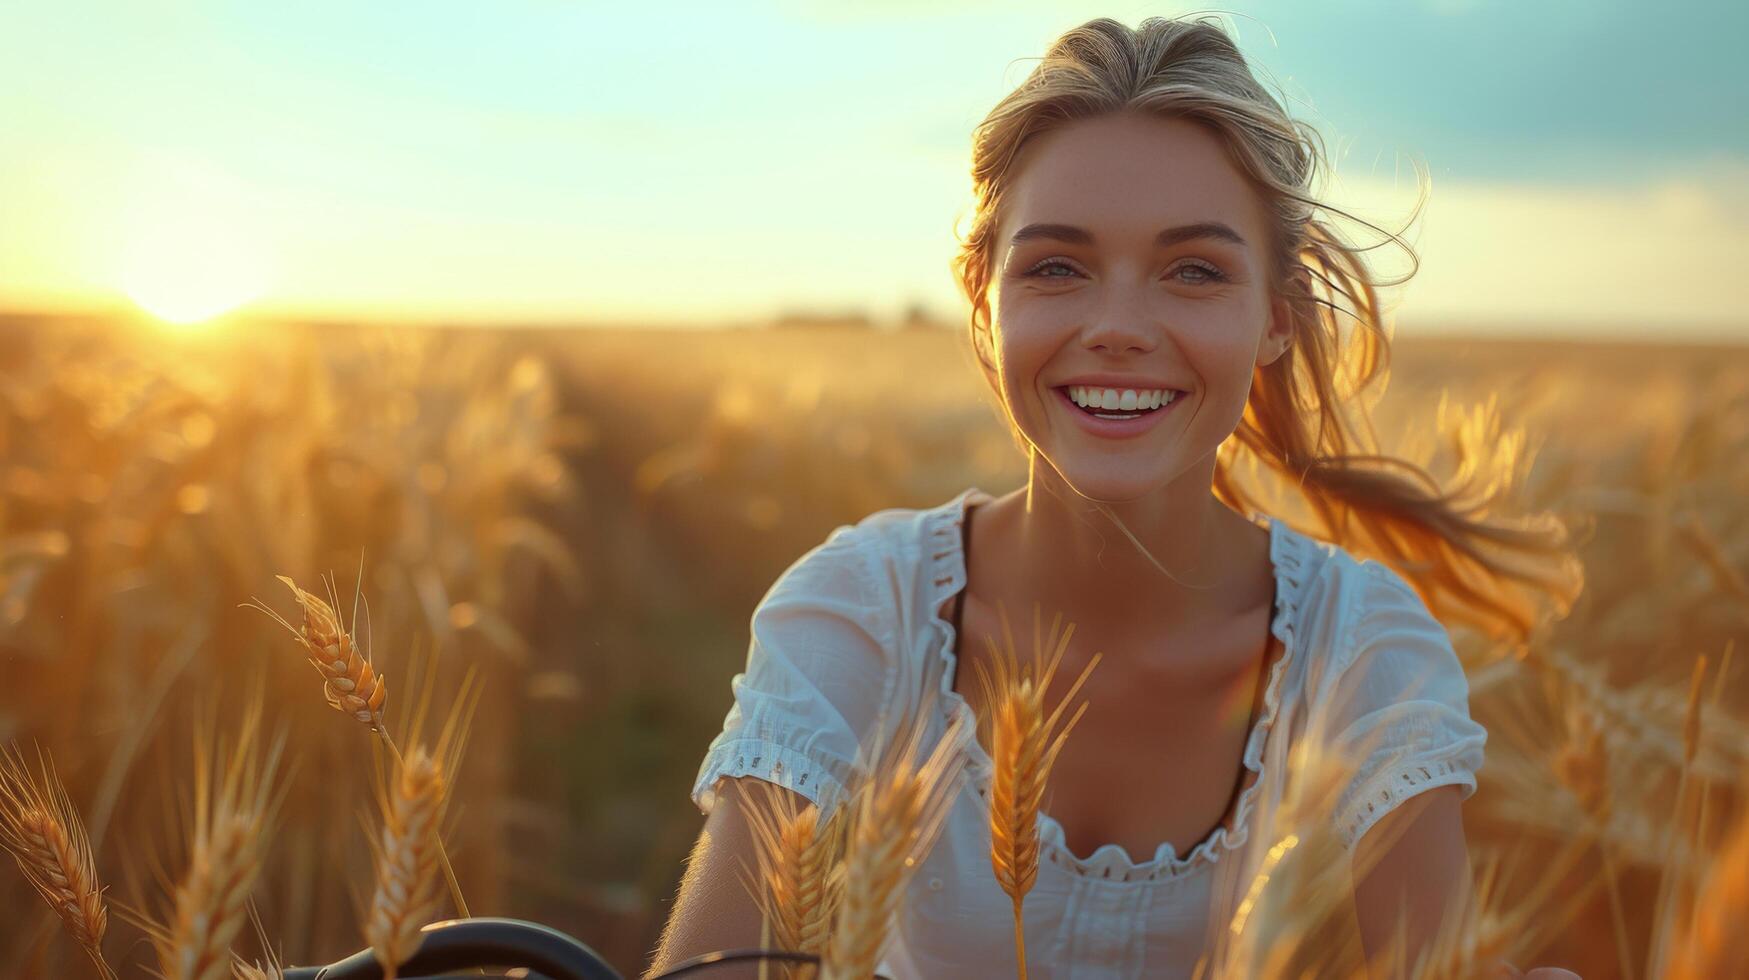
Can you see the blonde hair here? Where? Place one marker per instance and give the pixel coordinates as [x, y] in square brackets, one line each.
[1296, 421]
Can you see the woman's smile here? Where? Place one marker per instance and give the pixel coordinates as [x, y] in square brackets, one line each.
[1115, 423]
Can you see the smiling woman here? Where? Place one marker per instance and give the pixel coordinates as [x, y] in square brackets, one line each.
[1156, 296]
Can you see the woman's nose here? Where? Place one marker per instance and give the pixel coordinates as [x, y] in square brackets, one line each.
[1117, 331]
[1121, 322]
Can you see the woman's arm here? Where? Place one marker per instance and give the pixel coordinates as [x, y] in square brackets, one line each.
[712, 910]
[1418, 867]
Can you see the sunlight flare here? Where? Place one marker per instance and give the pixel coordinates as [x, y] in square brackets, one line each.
[185, 266]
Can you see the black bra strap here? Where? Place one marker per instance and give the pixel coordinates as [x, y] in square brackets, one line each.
[1257, 698]
[959, 600]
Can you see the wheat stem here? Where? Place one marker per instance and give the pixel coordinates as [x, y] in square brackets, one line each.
[1623, 957]
[1713, 943]
[1690, 746]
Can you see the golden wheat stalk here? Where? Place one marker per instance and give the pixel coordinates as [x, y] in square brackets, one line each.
[1715, 943]
[409, 850]
[233, 817]
[1289, 920]
[1582, 764]
[820, 889]
[1699, 833]
[1661, 906]
[1023, 750]
[797, 838]
[1483, 928]
[1477, 938]
[406, 890]
[796, 888]
[42, 830]
[896, 815]
[350, 682]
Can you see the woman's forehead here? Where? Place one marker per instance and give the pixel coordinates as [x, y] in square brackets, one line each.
[1128, 177]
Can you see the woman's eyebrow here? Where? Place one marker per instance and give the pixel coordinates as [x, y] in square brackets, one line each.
[1169, 236]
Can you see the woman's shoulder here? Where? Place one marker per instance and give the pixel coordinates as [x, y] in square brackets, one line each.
[1333, 585]
[914, 536]
[1364, 624]
[903, 553]
[1340, 604]
[913, 526]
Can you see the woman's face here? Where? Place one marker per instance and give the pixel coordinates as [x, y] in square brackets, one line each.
[1130, 253]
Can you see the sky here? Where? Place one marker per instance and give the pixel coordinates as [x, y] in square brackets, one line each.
[1587, 163]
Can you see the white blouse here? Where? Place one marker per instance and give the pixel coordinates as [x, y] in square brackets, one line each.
[854, 625]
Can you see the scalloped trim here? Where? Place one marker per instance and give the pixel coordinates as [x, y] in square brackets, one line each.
[769, 760]
[1388, 789]
[942, 527]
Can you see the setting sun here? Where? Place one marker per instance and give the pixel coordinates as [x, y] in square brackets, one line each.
[185, 268]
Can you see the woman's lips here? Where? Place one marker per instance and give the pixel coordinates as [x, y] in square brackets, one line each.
[1117, 428]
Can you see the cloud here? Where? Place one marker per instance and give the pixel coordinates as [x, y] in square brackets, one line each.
[1659, 252]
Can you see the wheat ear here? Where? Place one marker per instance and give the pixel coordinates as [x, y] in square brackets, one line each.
[42, 830]
[820, 888]
[896, 816]
[1023, 751]
[408, 852]
[233, 817]
[406, 890]
[796, 888]
[349, 682]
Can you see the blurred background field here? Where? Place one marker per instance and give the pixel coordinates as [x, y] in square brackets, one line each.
[590, 516]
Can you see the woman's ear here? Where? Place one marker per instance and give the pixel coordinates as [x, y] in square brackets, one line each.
[1279, 336]
[986, 358]
[1280, 333]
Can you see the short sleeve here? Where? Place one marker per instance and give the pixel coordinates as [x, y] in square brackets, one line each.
[817, 677]
[1399, 706]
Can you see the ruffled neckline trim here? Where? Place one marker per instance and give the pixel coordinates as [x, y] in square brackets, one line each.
[942, 525]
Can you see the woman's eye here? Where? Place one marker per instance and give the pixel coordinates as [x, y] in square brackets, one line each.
[1204, 273]
[1038, 270]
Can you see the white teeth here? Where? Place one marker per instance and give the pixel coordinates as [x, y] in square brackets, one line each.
[1126, 399]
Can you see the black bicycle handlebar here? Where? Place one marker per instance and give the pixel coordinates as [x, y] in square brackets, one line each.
[464, 944]
[548, 954]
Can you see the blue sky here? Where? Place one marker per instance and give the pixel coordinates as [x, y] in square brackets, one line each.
[708, 162]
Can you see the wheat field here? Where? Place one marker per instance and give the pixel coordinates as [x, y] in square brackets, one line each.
[582, 521]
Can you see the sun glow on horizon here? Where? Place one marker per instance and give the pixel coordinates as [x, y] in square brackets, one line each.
[185, 273]
[188, 255]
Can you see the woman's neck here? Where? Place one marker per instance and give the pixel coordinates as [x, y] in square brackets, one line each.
[1069, 556]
